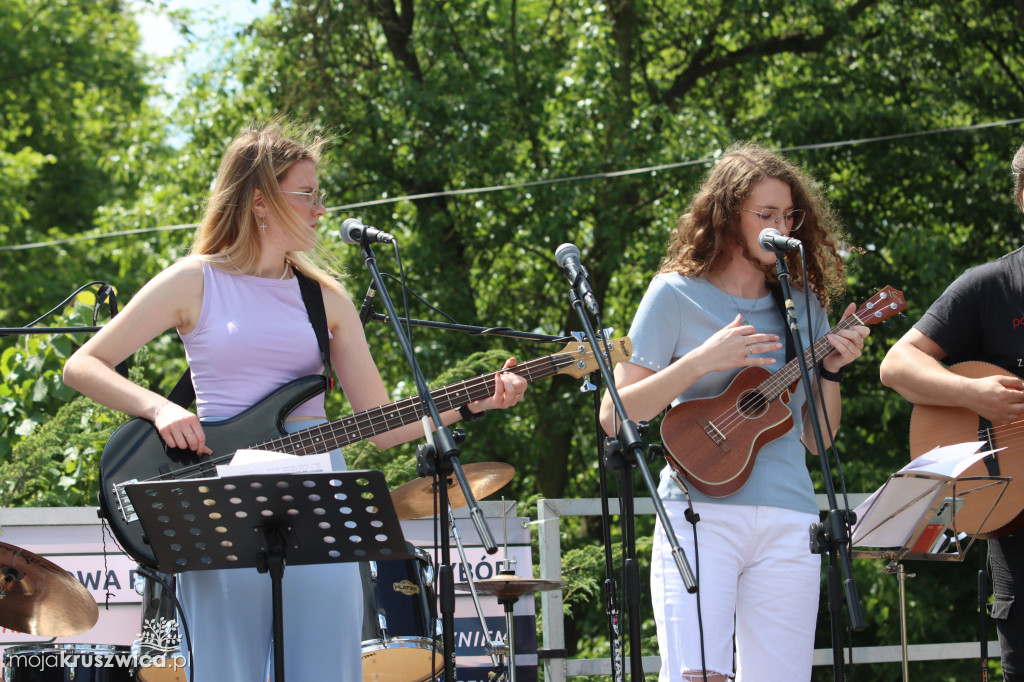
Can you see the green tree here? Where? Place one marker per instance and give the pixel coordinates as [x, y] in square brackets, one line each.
[434, 100]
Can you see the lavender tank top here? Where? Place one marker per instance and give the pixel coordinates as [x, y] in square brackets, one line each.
[253, 336]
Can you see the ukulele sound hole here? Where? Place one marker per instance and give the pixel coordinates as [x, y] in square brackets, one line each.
[753, 405]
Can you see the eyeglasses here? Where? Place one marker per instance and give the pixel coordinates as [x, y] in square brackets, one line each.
[316, 198]
[794, 219]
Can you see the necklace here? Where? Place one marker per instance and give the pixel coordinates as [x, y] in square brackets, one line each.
[285, 273]
[735, 303]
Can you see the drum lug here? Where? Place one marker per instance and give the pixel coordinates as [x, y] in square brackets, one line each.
[382, 628]
[373, 571]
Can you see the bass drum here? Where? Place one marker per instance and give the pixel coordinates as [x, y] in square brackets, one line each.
[401, 635]
[67, 663]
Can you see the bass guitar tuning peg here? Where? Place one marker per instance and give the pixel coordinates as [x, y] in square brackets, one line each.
[605, 333]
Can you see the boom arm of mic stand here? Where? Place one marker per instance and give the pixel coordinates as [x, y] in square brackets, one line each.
[474, 330]
[631, 442]
[835, 527]
[444, 440]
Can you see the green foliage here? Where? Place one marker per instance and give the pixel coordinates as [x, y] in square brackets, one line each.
[57, 465]
[434, 99]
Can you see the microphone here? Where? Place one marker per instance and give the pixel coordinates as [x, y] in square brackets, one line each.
[366, 310]
[568, 258]
[773, 240]
[354, 232]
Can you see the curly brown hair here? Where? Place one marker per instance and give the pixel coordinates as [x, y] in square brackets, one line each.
[704, 234]
[1018, 177]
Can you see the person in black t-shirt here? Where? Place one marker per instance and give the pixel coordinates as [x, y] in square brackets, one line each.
[980, 317]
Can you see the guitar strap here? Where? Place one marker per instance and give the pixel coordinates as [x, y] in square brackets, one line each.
[313, 297]
[776, 290]
[184, 393]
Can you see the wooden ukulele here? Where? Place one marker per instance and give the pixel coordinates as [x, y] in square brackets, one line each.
[935, 425]
[713, 442]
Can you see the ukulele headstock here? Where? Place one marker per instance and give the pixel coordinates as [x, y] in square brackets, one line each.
[880, 307]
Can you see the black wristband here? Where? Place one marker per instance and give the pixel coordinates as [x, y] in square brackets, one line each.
[468, 416]
[831, 376]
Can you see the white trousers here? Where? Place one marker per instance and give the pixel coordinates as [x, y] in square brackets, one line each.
[230, 617]
[757, 580]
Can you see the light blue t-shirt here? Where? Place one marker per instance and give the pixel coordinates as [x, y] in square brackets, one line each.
[678, 314]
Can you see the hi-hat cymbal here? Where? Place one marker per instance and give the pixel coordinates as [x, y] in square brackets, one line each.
[416, 498]
[39, 597]
[507, 586]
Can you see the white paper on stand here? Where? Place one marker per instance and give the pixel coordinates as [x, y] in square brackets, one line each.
[889, 520]
[248, 462]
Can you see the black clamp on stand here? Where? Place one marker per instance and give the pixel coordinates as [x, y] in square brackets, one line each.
[830, 536]
[624, 453]
[441, 448]
[268, 521]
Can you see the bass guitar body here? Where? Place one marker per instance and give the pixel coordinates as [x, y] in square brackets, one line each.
[713, 442]
[136, 452]
[931, 426]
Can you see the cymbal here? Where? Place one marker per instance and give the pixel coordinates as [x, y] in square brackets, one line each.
[416, 498]
[41, 598]
[507, 586]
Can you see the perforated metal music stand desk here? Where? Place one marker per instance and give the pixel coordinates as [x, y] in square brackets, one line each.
[911, 500]
[265, 521]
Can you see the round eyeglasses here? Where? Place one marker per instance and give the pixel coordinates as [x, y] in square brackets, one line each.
[316, 198]
[793, 220]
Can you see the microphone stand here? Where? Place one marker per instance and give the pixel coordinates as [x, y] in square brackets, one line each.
[19, 331]
[611, 588]
[626, 451]
[830, 535]
[439, 456]
[472, 330]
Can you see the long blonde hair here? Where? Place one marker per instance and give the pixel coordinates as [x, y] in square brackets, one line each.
[229, 235]
[704, 234]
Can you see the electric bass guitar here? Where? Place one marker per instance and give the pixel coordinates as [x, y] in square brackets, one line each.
[984, 509]
[136, 453]
[713, 442]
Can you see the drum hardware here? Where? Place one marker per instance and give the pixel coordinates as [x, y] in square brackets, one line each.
[495, 648]
[508, 588]
[38, 597]
[49, 662]
[157, 653]
[415, 499]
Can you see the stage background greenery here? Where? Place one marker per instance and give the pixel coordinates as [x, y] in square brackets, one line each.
[516, 126]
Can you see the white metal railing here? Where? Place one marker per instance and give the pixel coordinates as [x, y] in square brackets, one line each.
[557, 668]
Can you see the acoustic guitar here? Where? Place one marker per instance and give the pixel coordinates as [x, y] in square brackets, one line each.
[136, 452]
[934, 425]
[713, 442]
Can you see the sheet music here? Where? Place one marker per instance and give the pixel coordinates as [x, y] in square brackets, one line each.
[248, 461]
[889, 520]
[949, 460]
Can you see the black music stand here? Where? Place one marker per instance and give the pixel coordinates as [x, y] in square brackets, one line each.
[265, 521]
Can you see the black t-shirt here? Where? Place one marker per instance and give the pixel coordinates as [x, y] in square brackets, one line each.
[981, 315]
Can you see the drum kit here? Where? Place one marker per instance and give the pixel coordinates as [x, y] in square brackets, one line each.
[401, 640]
[401, 634]
[38, 597]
